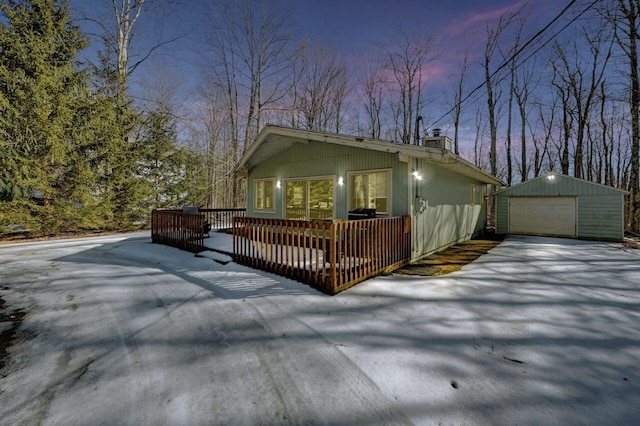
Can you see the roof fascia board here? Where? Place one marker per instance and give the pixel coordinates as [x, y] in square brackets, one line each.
[253, 148]
[403, 152]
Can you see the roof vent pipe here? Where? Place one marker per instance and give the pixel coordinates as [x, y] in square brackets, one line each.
[436, 132]
[416, 139]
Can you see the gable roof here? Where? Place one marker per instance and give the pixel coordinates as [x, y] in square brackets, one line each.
[553, 176]
[274, 139]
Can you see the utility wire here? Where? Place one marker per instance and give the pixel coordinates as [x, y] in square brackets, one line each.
[520, 50]
[528, 57]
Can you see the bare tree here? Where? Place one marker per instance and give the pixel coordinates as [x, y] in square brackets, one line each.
[374, 97]
[520, 77]
[493, 38]
[457, 105]
[407, 60]
[251, 51]
[321, 89]
[580, 75]
[480, 128]
[523, 85]
[625, 17]
[606, 139]
[126, 14]
[216, 141]
[118, 38]
[613, 115]
[546, 118]
[564, 97]
[512, 79]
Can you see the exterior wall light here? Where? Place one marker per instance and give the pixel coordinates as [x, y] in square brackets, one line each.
[278, 184]
[551, 178]
[340, 181]
[417, 175]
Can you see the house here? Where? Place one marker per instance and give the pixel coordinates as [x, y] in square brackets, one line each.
[302, 174]
[558, 205]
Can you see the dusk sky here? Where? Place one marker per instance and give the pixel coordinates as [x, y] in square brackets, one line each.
[458, 27]
[354, 24]
[350, 27]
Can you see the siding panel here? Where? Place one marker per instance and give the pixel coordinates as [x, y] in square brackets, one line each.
[600, 217]
[447, 215]
[326, 159]
[502, 214]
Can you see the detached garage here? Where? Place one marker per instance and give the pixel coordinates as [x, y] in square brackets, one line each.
[561, 206]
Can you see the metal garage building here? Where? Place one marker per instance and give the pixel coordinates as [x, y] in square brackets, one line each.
[561, 206]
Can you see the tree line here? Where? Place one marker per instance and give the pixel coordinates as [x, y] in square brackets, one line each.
[78, 152]
[565, 99]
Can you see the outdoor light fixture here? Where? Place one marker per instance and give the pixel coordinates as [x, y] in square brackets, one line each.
[278, 184]
[551, 177]
[340, 181]
[417, 175]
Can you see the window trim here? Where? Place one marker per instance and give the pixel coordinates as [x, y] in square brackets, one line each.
[271, 209]
[389, 173]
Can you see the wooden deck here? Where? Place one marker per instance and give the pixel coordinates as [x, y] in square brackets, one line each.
[330, 255]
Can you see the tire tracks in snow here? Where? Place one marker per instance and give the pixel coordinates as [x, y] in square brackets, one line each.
[314, 381]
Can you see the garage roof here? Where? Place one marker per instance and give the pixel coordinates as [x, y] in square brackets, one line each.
[557, 185]
[273, 139]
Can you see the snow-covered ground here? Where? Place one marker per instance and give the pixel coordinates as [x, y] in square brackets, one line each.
[122, 331]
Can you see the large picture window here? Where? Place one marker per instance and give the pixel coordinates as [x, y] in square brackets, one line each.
[370, 190]
[308, 199]
[263, 194]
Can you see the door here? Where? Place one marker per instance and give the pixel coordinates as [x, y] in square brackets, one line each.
[552, 216]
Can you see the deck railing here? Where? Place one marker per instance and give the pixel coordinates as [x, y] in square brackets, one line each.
[330, 255]
[222, 218]
[186, 230]
[178, 229]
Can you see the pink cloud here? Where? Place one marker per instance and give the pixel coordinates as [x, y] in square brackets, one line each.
[483, 17]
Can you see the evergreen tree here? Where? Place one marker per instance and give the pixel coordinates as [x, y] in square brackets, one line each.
[40, 84]
[111, 149]
[173, 174]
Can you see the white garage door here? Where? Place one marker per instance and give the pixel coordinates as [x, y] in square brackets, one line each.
[554, 216]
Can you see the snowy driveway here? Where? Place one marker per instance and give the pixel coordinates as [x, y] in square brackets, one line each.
[122, 331]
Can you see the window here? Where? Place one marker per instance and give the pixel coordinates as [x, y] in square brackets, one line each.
[370, 190]
[321, 199]
[309, 199]
[296, 200]
[263, 190]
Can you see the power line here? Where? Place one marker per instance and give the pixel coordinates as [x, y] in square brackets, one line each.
[521, 49]
[530, 55]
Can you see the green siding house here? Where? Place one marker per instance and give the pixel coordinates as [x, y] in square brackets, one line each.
[303, 174]
[561, 206]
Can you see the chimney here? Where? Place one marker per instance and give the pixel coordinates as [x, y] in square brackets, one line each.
[437, 141]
